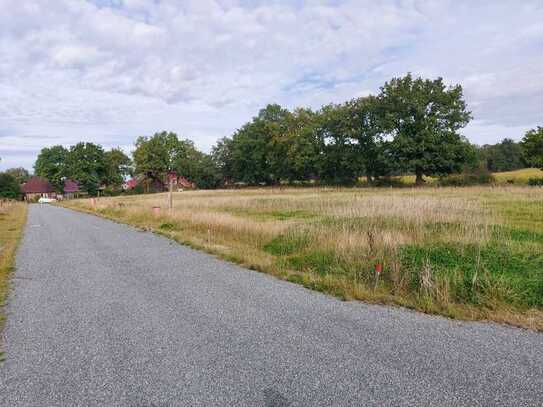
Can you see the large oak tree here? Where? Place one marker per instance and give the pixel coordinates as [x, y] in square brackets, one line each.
[424, 116]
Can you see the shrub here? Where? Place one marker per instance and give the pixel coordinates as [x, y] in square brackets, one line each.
[388, 182]
[536, 181]
[478, 177]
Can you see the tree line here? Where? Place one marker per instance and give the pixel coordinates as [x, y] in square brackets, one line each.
[411, 126]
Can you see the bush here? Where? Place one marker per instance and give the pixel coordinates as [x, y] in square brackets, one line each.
[479, 177]
[535, 181]
[387, 182]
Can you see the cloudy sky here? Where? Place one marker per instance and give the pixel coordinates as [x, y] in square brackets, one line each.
[108, 71]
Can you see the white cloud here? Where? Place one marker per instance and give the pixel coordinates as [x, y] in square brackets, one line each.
[111, 70]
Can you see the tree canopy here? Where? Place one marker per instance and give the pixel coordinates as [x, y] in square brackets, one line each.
[506, 155]
[165, 152]
[532, 144]
[423, 116]
[9, 186]
[87, 163]
[51, 164]
[411, 126]
[20, 174]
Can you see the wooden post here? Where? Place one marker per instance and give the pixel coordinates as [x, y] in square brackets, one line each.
[170, 195]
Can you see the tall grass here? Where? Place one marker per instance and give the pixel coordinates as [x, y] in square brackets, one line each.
[472, 253]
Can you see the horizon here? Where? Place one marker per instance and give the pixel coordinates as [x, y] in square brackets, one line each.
[109, 71]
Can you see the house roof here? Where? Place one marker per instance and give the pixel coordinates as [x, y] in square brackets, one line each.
[185, 182]
[131, 183]
[70, 186]
[37, 185]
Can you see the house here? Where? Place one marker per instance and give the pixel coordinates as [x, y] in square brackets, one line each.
[71, 189]
[130, 184]
[180, 182]
[37, 187]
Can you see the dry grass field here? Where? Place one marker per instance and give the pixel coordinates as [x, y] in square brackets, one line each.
[469, 253]
[12, 220]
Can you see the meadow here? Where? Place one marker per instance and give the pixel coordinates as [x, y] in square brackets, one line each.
[467, 253]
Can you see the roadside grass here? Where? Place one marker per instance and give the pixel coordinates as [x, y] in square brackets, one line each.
[12, 220]
[468, 253]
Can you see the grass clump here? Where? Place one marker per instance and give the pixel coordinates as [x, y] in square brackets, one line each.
[284, 245]
[167, 226]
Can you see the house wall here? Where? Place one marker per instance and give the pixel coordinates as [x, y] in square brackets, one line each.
[33, 197]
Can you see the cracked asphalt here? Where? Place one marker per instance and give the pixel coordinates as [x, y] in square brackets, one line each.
[101, 314]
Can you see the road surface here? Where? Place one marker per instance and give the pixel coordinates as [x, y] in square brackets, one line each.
[104, 315]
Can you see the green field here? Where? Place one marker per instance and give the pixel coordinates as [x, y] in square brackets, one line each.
[470, 253]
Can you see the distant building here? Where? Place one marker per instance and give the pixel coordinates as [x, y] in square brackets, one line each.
[71, 189]
[36, 188]
[180, 182]
[130, 184]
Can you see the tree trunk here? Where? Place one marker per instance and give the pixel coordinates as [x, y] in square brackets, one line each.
[370, 180]
[419, 180]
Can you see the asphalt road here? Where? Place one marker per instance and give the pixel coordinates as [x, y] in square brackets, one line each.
[104, 315]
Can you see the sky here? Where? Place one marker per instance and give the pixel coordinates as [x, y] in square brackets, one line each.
[108, 71]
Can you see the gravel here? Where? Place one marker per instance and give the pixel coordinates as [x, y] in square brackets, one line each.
[102, 314]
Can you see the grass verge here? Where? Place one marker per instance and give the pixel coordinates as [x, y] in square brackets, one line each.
[12, 221]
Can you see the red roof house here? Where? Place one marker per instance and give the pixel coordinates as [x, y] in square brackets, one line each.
[180, 182]
[71, 188]
[130, 184]
[185, 183]
[37, 187]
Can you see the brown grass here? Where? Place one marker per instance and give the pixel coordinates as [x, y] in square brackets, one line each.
[12, 220]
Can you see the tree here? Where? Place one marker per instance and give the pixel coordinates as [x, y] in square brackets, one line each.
[532, 145]
[302, 146]
[201, 169]
[156, 156]
[118, 166]
[366, 127]
[86, 163]
[20, 174]
[338, 161]
[503, 156]
[9, 186]
[51, 164]
[164, 152]
[221, 154]
[255, 155]
[423, 116]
